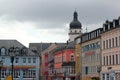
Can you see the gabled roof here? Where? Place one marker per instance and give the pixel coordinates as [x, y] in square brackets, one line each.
[14, 43]
[10, 43]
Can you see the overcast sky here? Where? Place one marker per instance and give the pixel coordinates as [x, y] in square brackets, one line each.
[48, 20]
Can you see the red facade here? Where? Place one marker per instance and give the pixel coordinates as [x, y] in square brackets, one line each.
[46, 64]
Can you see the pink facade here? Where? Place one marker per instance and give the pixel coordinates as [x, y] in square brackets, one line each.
[63, 56]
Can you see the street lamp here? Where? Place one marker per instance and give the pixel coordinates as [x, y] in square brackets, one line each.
[12, 51]
[1, 64]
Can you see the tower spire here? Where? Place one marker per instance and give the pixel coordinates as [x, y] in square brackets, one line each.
[75, 15]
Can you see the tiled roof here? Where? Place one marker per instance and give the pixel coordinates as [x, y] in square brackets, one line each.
[39, 47]
[14, 43]
[71, 45]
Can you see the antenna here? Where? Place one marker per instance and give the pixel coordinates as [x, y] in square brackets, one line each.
[86, 29]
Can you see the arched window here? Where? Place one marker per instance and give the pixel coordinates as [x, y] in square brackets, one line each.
[72, 57]
[3, 51]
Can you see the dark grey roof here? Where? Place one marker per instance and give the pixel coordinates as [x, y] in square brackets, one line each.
[10, 43]
[39, 47]
[14, 43]
[60, 46]
[71, 45]
[75, 24]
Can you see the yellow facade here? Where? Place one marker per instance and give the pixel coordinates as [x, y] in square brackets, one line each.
[78, 60]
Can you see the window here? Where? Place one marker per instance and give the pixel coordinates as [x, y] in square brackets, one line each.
[24, 51]
[29, 60]
[17, 60]
[34, 60]
[17, 51]
[103, 76]
[3, 73]
[107, 76]
[3, 59]
[16, 73]
[3, 51]
[112, 42]
[24, 60]
[72, 57]
[110, 59]
[109, 43]
[104, 60]
[34, 73]
[113, 59]
[119, 40]
[116, 41]
[116, 58]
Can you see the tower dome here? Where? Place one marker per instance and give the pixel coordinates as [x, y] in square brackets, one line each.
[75, 24]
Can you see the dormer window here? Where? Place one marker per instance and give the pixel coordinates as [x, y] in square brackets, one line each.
[106, 27]
[3, 51]
[116, 23]
[111, 25]
[24, 51]
[17, 50]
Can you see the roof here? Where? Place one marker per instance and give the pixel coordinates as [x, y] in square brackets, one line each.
[71, 45]
[39, 47]
[75, 24]
[60, 46]
[14, 43]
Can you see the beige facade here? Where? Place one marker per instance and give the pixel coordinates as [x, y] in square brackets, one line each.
[89, 52]
[91, 59]
[110, 39]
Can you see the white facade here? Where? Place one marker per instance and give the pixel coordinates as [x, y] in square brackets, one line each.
[73, 33]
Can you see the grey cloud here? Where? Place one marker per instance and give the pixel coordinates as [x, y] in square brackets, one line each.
[53, 13]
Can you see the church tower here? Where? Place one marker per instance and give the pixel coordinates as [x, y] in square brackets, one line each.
[75, 28]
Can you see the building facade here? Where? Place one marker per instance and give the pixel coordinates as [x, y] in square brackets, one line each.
[89, 47]
[110, 39]
[91, 55]
[64, 62]
[78, 62]
[52, 50]
[40, 48]
[25, 65]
